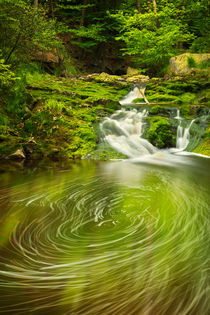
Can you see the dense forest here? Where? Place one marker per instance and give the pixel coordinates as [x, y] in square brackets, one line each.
[42, 41]
[100, 34]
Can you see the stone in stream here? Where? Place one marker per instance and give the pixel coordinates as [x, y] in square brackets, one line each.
[17, 155]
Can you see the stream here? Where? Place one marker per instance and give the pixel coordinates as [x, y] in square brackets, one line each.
[117, 237]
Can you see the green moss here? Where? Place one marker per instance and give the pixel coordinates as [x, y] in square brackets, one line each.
[160, 110]
[204, 147]
[159, 133]
[187, 98]
[61, 114]
[9, 144]
[105, 152]
[165, 98]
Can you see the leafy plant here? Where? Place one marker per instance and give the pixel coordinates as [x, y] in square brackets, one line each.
[54, 105]
[7, 76]
[191, 62]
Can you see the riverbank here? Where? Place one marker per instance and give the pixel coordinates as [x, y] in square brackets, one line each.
[61, 115]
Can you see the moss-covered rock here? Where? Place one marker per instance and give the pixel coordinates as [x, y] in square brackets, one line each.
[160, 133]
[132, 71]
[137, 78]
[183, 64]
[204, 146]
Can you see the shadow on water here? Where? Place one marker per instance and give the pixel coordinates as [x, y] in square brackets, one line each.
[106, 238]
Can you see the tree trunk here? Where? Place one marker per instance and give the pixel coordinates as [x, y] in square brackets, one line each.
[52, 9]
[13, 48]
[36, 3]
[155, 12]
[138, 6]
[83, 13]
[155, 6]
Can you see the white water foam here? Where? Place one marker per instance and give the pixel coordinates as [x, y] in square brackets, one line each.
[134, 94]
[123, 131]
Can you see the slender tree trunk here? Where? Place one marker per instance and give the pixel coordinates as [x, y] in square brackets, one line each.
[83, 13]
[36, 3]
[138, 5]
[13, 48]
[155, 6]
[52, 9]
[155, 12]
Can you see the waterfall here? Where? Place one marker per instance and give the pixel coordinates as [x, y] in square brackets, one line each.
[123, 131]
[183, 133]
[137, 92]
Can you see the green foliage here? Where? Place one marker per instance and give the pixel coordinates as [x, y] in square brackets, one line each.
[92, 32]
[204, 64]
[7, 76]
[191, 62]
[24, 29]
[54, 105]
[148, 43]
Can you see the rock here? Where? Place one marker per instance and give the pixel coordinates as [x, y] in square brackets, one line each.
[30, 146]
[106, 78]
[132, 71]
[19, 155]
[137, 79]
[180, 65]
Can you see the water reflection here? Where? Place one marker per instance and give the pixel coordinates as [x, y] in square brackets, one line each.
[106, 238]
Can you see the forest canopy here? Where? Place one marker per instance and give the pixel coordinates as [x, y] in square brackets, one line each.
[144, 33]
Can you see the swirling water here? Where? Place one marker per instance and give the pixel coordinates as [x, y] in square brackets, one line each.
[109, 238]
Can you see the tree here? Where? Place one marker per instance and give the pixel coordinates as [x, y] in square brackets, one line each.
[138, 5]
[151, 45]
[26, 29]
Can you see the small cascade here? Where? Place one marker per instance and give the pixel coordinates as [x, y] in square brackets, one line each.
[178, 114]
[123, 131]
[183, 133]
[137, 92]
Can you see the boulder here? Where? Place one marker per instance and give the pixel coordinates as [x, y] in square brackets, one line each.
[137, 79]
[132, 71]
[180, 65]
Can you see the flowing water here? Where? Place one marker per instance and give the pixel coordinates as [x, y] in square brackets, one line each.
[108, 238]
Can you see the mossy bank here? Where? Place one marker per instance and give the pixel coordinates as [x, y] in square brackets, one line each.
[59, 117]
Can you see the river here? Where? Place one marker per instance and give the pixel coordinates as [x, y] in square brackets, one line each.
[108, 238]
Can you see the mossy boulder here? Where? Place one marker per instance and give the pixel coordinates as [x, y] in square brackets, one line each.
[135, 79]
[159, 111]
[160, 133]
[106, 78]
[204, 147]
[183, 64]
[132, 71]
